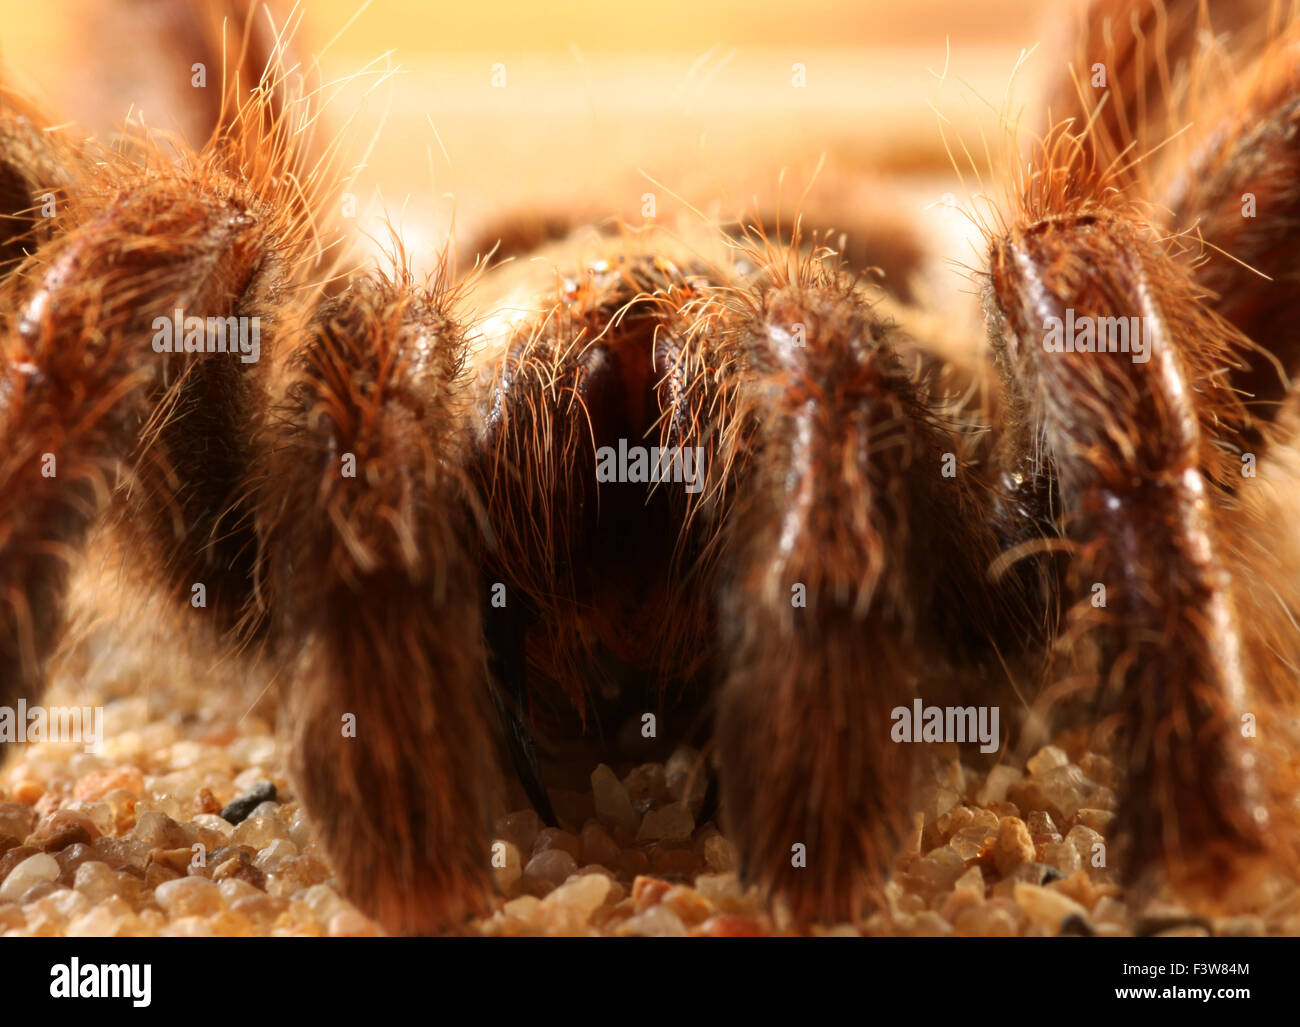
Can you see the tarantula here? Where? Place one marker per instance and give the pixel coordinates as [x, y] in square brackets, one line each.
[409, 496]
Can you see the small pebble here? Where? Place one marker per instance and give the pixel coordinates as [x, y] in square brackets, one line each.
[239, 809]
[1047, 758]
[690, 906]
[520, 829]
[554, 838]
[71, 858]
[507, 864]
[257, 832]
[30, 872]
[349, 923]
[723, 891]
[159, 831]
[583, 895]
[100, 814]
[523, 907]
[61, 829]
[96, 785]
[107, 919]
[598, 847]
[936, 872]
[97, 881]
[720, 855]
[324, 902]
[1063, 791]
[731, 925]
[672, 823]
[647, 891]
[1062, 855]
[300, 832]
[1088, 844]
[189, 897]
[971, 842]
[551, 865]
[16, 820]
[1042, 828]
[219, 826]
[1047, 908]
[656, 922]
[647, 783]
[613, 804]
[1014, 845]
[985, 921]
[1099, 820]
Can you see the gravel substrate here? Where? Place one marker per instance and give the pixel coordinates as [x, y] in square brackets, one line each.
[138, 840]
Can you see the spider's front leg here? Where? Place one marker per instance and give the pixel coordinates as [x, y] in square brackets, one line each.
[131, 346]
[91, 389]
[855, 568]
[366, 528]
[1194, 653]
[1121, 371]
